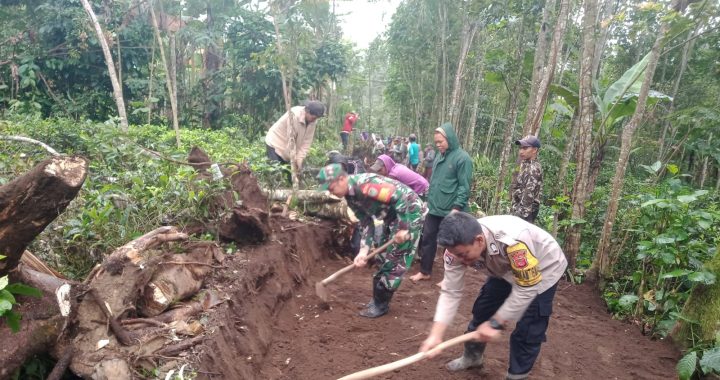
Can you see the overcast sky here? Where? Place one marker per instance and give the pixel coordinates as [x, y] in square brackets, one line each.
[363, 20]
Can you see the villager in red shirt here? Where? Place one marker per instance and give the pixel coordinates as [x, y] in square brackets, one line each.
[348, 124]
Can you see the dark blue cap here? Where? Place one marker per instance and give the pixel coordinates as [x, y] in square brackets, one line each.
[528, 140]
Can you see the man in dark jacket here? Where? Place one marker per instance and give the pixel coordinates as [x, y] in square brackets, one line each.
[449, 192]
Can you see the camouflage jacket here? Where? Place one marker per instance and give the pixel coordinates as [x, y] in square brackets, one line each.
[526, 189]
[372, 195]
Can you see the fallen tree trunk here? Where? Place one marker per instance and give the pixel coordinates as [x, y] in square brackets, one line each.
[301, 195]
[30, 202]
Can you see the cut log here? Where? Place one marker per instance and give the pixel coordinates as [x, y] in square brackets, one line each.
[30, 202]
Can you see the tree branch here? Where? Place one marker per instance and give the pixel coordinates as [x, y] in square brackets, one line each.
[29, 140]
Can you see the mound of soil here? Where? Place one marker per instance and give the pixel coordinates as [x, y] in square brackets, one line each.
[274, 327]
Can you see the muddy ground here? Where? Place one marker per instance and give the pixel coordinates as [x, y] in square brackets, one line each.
[274, 328]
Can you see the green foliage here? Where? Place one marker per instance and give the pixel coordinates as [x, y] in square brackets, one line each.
[686, 365]
[128, 191]
[674, 234]
[7, 300]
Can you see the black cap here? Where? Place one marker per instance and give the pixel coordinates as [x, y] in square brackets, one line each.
[315, 108]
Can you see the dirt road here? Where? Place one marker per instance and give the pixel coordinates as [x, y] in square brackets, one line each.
[584, 342]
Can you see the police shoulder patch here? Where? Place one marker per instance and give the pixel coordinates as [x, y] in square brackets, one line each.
[524, 264]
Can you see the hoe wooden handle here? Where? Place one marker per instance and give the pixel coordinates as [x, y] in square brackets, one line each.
[348, 268]
[385, 368]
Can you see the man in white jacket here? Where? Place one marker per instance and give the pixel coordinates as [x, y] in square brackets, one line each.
[301, 127]
[525, 264]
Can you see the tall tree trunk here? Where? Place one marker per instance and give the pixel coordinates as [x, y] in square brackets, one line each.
[491, 128]
[676, 86]
[211, 64]
[116, 84]
[173, 68]
[704, 172]
[512, 118]
[469, 30]
[470, 134]
[149, 104]
[444, 62]
[549, 71]
[602, 259]
[584, 133]
[168, 79]
[286, 77]
[562, 173]
[538, 64]
[607, 10]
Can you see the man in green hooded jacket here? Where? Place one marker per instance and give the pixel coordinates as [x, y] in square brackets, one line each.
[449, 192]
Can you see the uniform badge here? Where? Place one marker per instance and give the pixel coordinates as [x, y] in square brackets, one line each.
[382, 192]
[519, 258]
[494, 248]
[448, 258]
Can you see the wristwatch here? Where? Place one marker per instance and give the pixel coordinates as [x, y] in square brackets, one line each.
[496, 325]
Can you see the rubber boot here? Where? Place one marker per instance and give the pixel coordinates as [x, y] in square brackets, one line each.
[472, 357]
[371, 304]
[511, 376]
[380, 303]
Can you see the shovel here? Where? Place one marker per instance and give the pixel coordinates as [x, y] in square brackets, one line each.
[385, 368]
[320, 289]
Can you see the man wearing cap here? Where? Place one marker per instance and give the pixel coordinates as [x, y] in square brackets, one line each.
[373, 196]
[524, 263]
[386, 166]
[449, 192]
[526, 186]
[294, 133]
[348, 124]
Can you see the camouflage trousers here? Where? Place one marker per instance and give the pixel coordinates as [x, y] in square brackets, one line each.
[396, 260]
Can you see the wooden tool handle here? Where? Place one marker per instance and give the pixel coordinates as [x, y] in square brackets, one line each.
[348, 268]
[385, 368]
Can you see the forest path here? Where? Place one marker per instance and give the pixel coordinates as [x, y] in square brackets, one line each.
[583, 341]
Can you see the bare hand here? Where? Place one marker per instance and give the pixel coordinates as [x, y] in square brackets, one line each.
[429, 343]
[485, 333]
[401, 236]
[361, 259]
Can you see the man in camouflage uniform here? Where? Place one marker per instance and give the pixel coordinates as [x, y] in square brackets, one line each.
[526, 187]
[371, 195]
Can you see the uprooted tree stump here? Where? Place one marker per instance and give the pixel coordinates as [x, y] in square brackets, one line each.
[30, 202]
[141, 307]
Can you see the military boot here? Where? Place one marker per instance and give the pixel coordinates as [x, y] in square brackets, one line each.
[380, 303]
[371, 304]
[472, 357]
